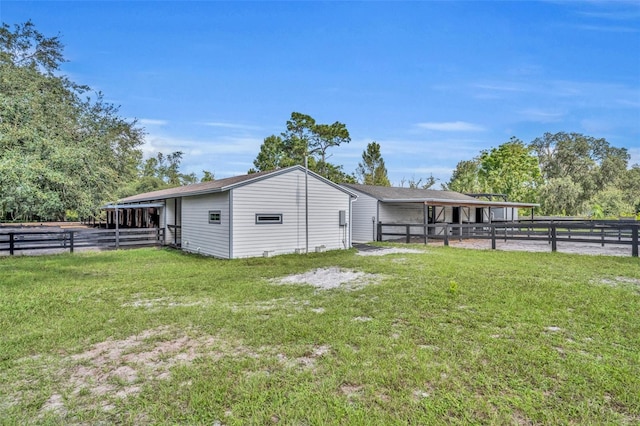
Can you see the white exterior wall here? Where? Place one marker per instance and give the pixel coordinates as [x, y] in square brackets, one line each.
[364, 208]
[504, 213]
[405, 213]
[402, 213]
[200, 236]
[170, 215]
[285, 194]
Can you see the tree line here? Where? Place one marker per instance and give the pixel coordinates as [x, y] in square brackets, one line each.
[64, 151]
[567, 173]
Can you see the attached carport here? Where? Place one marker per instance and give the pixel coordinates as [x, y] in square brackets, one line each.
[425, 209]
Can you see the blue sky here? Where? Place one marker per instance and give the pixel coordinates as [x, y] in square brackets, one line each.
[433, 82]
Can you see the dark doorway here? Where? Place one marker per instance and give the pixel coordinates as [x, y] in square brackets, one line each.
[456, 214]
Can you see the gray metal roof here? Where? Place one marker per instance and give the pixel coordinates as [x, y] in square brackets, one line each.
[220, 185]
[390, 194]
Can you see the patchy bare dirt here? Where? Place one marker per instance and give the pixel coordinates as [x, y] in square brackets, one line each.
[108, 371]
[618, 281]
[331, 278]
[160, 302]
[116, 369]
[119, 367]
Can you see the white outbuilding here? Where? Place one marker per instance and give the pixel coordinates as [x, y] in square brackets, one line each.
[391, 206]
[290, 210]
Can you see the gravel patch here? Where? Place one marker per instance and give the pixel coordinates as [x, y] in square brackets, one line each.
[390, 250]
[331, 278]
[543, 246]
[617, 281]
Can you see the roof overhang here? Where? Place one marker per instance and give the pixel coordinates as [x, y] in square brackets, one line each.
[131, 206]
[462, 203]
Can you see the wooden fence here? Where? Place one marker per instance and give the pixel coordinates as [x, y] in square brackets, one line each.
[619, 233]
[56, 241]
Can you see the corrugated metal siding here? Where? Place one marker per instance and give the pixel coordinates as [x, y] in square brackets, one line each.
[285, 194]
[363, 228]
[200, 236]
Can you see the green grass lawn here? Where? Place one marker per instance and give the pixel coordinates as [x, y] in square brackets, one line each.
[445, 336]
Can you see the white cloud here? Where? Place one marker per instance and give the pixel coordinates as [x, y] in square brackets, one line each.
[152, 122]
[451, 126]
[224, 125]
[219, 146]
[502, 87]
[605, 28]
[541, 116]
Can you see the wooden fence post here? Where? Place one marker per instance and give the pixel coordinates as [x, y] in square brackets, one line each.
[70, 241]
[602, 236]
[634, 240]
[554, 235]
[408, 234]
[379, 233]
[493, 237]
[11, 244]
[446, 234]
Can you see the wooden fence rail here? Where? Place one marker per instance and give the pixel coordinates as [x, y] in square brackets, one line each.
[624, 233]
[23, 241]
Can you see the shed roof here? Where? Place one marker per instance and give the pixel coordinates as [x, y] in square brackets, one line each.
[390, 194]
[220, 185]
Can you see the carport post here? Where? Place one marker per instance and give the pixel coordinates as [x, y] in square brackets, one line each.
[493, 237]
[117, 229]
[426, 221]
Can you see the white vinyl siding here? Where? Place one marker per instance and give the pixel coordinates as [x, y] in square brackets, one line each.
[171, 216]
[363, 227]
[325, 202]
[402, 213]
[200, 236]
[285, 194]
[405, 213]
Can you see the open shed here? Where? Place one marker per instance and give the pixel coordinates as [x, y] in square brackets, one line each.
[391, 205]
[261, 214]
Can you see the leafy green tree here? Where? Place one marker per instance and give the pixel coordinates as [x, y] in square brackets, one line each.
[160, 172]
[207, 176]
[372, 170]
[510, 169]
[303, 136]
[60, 151]
[465, 177]
[560, 196]
[611, 203]
[274, 154]
[325, 136]
[629, 183]
[591, 164]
